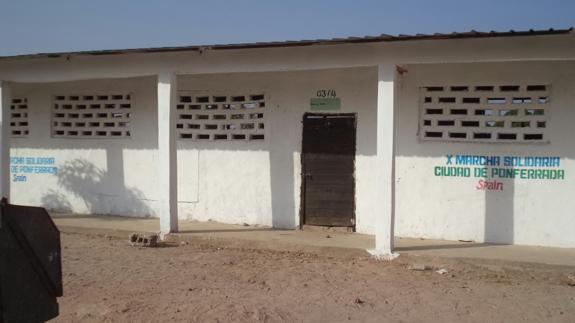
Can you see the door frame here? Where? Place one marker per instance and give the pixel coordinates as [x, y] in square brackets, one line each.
[303, 170]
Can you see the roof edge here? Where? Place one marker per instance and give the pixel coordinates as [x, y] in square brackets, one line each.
[299, 43]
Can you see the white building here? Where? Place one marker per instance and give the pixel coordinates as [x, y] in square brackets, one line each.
[459, 136]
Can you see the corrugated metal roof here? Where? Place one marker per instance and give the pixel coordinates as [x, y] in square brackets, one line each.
[294, 43]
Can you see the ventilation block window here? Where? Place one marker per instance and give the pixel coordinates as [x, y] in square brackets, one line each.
[19, 124]
[92, 116]
[485, 112]
[221, 117]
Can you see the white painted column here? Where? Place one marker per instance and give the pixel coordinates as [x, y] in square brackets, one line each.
[385, 169]
[5, 101]
[168, 173]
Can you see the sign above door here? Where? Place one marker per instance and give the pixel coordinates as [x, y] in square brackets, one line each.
[325, 104]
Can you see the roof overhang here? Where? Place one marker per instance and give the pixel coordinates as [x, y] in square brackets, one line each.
[300, 43]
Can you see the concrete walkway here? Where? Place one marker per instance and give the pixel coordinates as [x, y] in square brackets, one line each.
[294, 239]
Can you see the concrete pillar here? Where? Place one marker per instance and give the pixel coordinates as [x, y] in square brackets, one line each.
[167, 87]
[5, 102]
[385, 170]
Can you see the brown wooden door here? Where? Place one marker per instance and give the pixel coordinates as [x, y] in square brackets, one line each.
[328, 164]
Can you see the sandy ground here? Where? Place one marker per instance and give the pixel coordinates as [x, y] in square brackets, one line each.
[106, 280]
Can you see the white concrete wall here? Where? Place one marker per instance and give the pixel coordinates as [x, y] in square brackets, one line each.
[255, 182]
[527, 211]
[105, 176]
[259, 182]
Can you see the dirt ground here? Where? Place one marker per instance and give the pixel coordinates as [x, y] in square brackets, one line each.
[106, 280]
